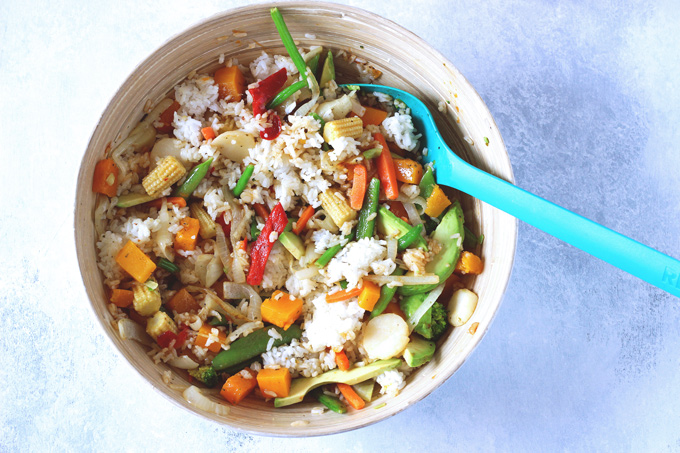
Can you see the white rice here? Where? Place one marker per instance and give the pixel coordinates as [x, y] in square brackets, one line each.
[399, 129]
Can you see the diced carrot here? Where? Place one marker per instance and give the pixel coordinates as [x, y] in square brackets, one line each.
[237, 387]
[393, 307]
[469, 263]
[398, 209]
[166, 118]
[105, 178]
[408, 171]
[177, 201]
[373, 116]
[135, 262]
[351, 396]
[304, 218]
[342, 361]
[274, 383]
[358, 187]
[261, 210]
[386, 171]
[281, 309]
[436, 202]
[208, 133]
[210, 337]
[122, 297]
[343, 294]
[230, 82]
[186, 238]
[183, 302]
[244, 244]
[349, 168]
[370, 293]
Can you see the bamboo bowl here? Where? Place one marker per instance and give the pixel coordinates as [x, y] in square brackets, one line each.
[407, 62]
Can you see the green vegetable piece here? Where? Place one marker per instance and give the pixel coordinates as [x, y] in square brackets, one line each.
[372, 153]
[386, 295]
[193, 179]
[433, 323]
[133, 199]
[391, 225]
[253, 345]
[444, 262]
[418, 351]
[205, 374]
[313, 64]
[254, 232]
[343, 284]
[238, 367]
[219, 320]
[286, 93]
[292, 243]
[408, 238]
[427, 183]
[320, 120]
[331, 402]
[328, 71]
[430, 224]
[471, 240]
[168, 265]
[328, 255]
[365, 389]
[366, 227]
[300, 387]
[243, 180]
[288, 42]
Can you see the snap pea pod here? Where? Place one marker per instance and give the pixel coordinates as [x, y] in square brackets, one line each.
[193, 179]
[409, 237]
[366, 227]
[328, 255]
[386, 295]
[427, 183]
[253, 345]
[243, 180]
[372, 153]
[168, 265]
[331, 402]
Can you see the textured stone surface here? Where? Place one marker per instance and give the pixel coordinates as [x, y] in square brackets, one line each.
[581, 356]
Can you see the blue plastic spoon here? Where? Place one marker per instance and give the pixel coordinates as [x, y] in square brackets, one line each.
[631, 256]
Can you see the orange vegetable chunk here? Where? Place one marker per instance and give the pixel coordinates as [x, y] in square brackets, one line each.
[208, 133]
[373, 116]
[105, 178]
[238, 387]
[274, 383]
[370, 293]
[135, 262]
[186, 238]
[167, 117]
[183, 302]
[281, 309]
[469, 263]
[342, 361]
[351, 396]
[210, 337]
[122, 297]
[436, 202]
[408, 171]
[230, 82]
[343, 294]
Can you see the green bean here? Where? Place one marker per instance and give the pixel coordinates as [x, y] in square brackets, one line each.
[288, 42]
[331, 252]
[366, 222]
[331, 402]
[254, 232]
[372, 153]
[386, 295]
[286, 93]
[168, 265]
[409, 237]
[243, 180]
[193, 179]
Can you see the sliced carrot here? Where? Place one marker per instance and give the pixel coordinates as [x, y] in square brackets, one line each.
[105, 178]
[244, 244]
[208, 133]
[261, 210]
[166, 118]
[211, 336]
[386, 171]
[370, 293]
[230, 82]
[344, 294]
[274, 383]
[469, 263]
[238, 386]
[135, 262]
[186, 238]
[351, 396]
[304, 218]
[122, 297]
[183, 302]
[177, 201]
[342, 361]
[408, 171]
[358, 187]
[281, 309]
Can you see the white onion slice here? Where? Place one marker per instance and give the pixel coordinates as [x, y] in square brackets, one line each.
[163, 237]
[412, 212]
[218, 304]
[391, 248]
[213, 272]
[194, 397]
[222, 248]
[429, 301]
[314, 86]
[201, 267]
[247, 327]
[130, 330]
[183, 362]
[307, 273]
[243, 291]
[427, 279]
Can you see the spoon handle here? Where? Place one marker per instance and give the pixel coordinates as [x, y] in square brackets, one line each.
[627, 254]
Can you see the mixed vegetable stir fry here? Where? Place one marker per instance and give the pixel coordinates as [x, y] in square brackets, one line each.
[373, 239]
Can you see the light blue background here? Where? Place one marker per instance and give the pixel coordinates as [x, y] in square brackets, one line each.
[581, 356]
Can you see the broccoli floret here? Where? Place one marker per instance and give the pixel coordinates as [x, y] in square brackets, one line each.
[432, 324]
[439, 320]
[205, 374]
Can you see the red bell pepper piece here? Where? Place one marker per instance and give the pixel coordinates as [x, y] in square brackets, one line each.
[226, 227]
[266, 90]
[259, 254]
[166, 338]
[273, 131]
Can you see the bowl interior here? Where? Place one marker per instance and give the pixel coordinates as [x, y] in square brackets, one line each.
[406, 62]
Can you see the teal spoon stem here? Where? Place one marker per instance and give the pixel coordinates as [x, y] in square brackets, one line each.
[623, 252]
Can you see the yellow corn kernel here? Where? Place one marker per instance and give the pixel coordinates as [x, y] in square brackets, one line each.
[346, 127]
[146, 301]
[167, 172]
[336, 206]
[160, 323]
[206, 223]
